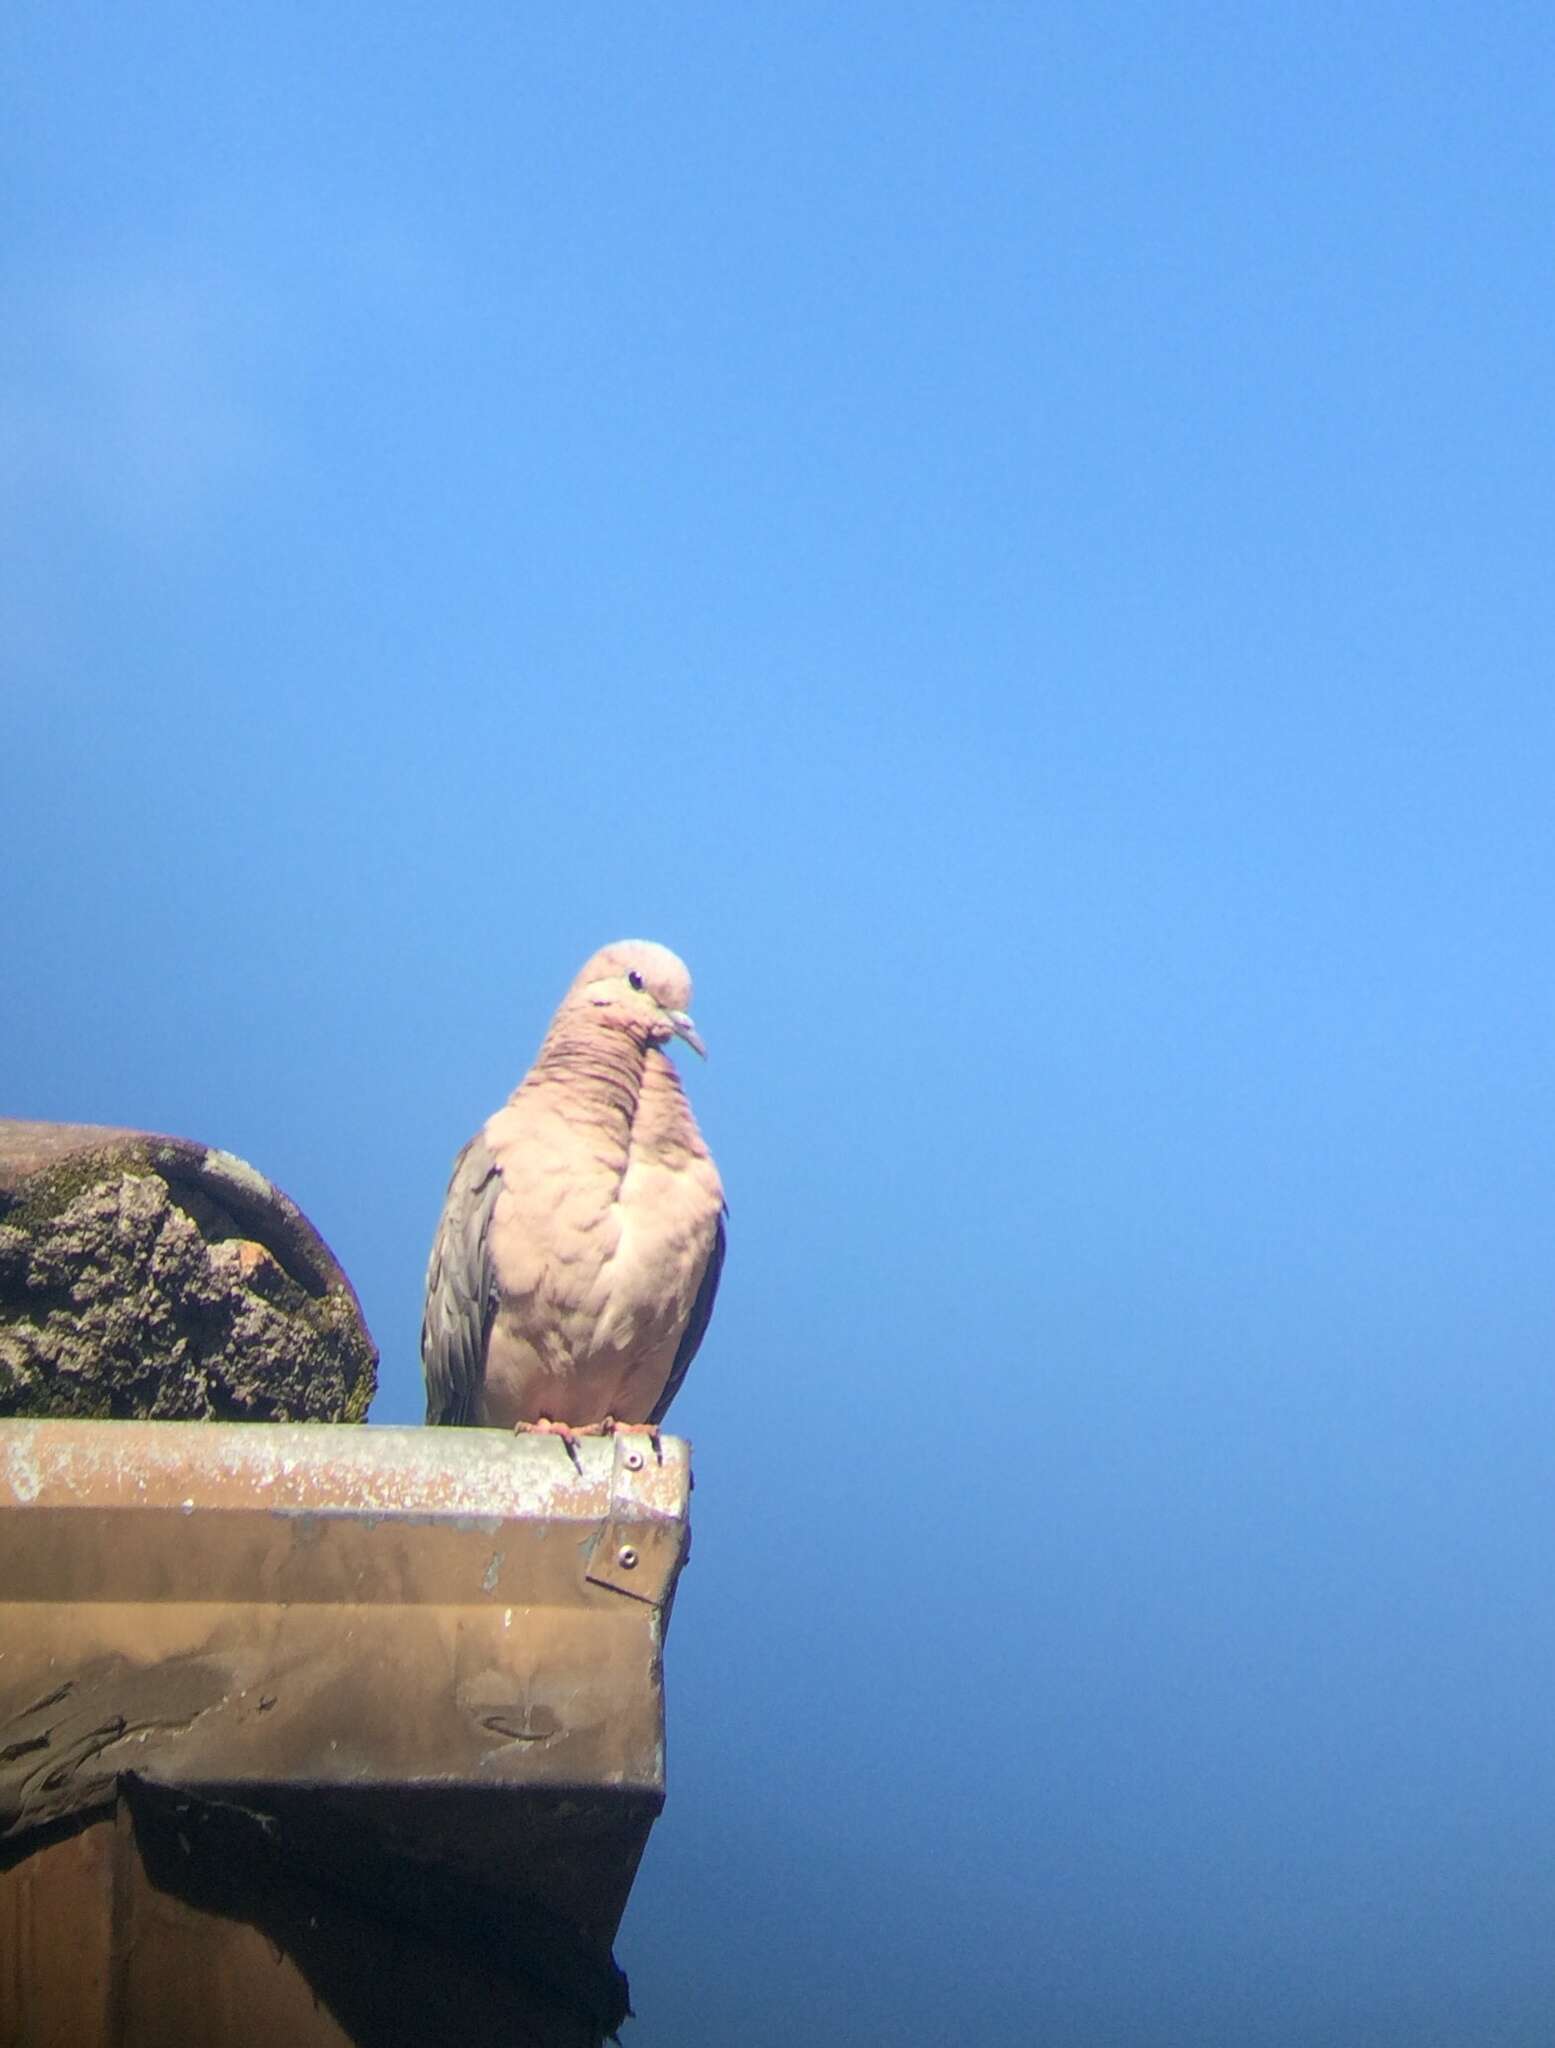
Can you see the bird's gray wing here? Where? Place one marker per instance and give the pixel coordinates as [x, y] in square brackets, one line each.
[696, 1323]
[461, 1289]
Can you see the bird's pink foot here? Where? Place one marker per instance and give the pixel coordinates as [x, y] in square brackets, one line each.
[570, 1432]
[610, 1427]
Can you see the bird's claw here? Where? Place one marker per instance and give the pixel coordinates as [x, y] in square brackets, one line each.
[610, 1427]
[564, 1430]
[569, 1433]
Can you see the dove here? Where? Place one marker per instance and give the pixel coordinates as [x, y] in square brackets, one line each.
[578, 1255]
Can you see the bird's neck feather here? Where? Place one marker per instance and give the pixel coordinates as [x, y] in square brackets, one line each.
[600, 1065]
[664, 1119]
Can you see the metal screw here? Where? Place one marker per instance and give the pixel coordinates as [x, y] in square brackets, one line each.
[634, 1461]
[626, 1557]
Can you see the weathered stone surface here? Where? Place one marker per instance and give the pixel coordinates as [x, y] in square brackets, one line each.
[148, 1276]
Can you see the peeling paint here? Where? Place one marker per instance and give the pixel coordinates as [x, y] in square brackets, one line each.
[22, 1468]
[475, 1477]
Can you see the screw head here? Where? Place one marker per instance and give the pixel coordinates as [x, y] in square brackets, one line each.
[633, 1461]
[626, 1557]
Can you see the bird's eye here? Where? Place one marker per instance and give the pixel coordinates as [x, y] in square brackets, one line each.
[635, 978]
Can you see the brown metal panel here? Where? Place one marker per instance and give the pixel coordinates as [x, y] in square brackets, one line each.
[95, 1952]
[183, 1975]
[378, 1668]
[218, 1602]
[56, 1943]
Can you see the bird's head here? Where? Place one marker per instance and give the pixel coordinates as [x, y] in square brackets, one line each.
[645, 987]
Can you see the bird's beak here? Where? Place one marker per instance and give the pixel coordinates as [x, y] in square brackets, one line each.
[683, 1027]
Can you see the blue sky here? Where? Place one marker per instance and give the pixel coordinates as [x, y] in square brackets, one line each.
[1018, 540]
